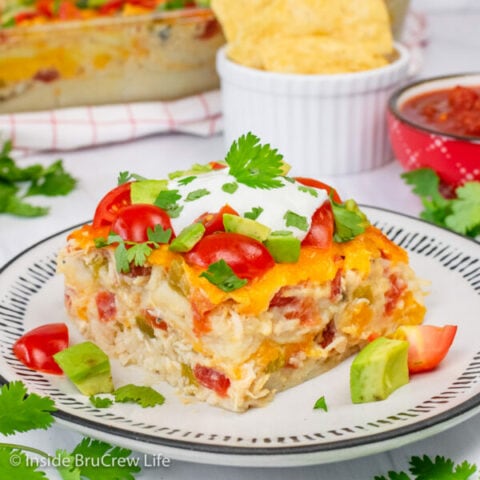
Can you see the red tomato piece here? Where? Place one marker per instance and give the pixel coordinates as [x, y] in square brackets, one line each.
[217, 165]
[428, 345]
[24, 16]
[133, 221]
[68, 11]
[106, 305]
[213, 222]
[392, 296]
[111, 7]
[212, 379]
[312, 182]
[37, 347]
[111, 204]
[321, 231]
[247, 257]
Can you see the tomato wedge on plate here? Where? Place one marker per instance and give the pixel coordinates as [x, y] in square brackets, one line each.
[111, 204]
[247, 257]
[37, 347]
[133, 221]
[428, 345]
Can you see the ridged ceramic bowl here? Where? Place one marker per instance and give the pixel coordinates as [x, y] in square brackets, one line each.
[322, 124]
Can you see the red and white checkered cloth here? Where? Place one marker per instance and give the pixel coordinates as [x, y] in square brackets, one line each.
[80, 127]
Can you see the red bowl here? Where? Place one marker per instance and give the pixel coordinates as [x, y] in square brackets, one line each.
[456, 158]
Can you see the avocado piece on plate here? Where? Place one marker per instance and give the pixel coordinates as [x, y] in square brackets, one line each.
[187, 238]
[378, 370]
[87, 366]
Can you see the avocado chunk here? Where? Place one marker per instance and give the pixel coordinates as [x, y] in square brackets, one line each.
[187, 238]
[378, 370]
[245, 226]
[87, 366]
[146, 191]
[283, 246]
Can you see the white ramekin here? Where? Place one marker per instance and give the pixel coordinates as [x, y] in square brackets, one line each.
[322, 124]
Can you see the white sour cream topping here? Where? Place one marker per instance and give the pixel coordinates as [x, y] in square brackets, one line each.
[276, 202]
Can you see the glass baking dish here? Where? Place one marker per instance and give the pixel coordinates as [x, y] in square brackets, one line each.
[160, 56]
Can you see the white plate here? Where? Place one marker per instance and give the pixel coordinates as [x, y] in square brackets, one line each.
[287, 432]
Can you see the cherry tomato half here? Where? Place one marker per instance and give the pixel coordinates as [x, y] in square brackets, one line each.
[213, 222]
[111, 204]
[428, 345]
[321, 231]
[247, 257]
[132, 222]
[312, 182]
[36, 348]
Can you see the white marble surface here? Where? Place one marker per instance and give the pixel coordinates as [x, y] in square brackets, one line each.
[453, 47]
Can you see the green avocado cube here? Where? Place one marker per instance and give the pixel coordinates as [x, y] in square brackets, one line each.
[283, 246]
[245, 226]
[187, 238]
[146, 191]
[87, 366]
[378, 370]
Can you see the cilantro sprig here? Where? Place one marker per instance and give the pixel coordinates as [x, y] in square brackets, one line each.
[440, 468]
[460, 214]
[349, 220]
[253, 164]
[221, 275]
[17, 184]
[136, 253]
[21, 412]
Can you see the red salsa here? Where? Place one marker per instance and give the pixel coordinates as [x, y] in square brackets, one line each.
[453, 111]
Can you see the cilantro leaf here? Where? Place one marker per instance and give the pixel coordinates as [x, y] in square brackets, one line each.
[167, 200]
[53, 181]
[125, 176]
[14, 464]
[293, 219]
[460, 214]
[254, 213]
[394, 476]
[31, 180]
[100, 402]
[20, 413]
[196, 194]
[439, 469]
[158, 234]
[186, 180]
[16, 206]
[230, 187]
[116, 464]
[311, 191]
[221, 275]
[465, 214]
[66, 466]
[138, 253]
[143, 396]
[321, 404]
[350, 221]
[253, 164]
[121, 258]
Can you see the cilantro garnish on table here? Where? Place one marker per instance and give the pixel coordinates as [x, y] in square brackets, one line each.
[17, 184]
[440, 468]
[253, 164]
[460, 214]
[22, 412]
